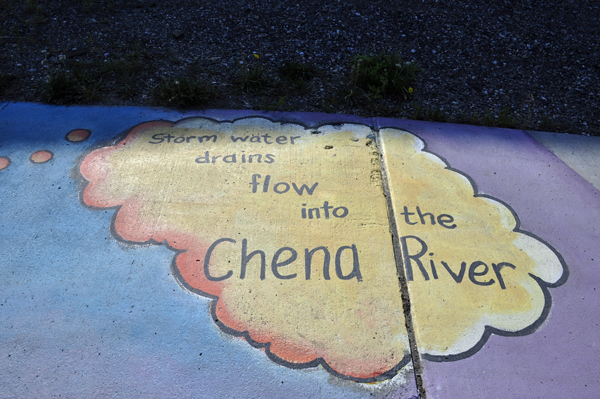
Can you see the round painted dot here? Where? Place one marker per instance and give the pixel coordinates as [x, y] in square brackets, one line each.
[4, 162]
[41, 156]
[78, 135]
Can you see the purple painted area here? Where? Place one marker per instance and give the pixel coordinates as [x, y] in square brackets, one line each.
[561, 359]
[309, 119]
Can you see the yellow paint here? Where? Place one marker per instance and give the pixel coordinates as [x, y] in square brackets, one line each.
[450, 316]
[192, 187]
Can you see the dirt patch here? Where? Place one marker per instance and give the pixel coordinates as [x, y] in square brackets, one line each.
[513, 63]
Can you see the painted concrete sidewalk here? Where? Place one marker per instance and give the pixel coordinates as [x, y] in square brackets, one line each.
[154, 253]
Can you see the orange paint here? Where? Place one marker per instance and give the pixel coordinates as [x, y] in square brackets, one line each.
[41, 156]
[77, 135]
[130, 225]
[4, 162]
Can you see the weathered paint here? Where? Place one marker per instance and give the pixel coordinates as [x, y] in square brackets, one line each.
[581, 153]
[88, 315]
[284, 227]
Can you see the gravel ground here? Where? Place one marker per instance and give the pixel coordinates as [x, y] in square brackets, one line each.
[536, 62]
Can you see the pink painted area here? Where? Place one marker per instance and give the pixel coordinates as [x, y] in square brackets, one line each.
[4, 162]
[130, 225]
[41, 156]
[78, 135]
[96, 170]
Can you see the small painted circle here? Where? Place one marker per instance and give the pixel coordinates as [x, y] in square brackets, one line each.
[4, 162]
[77, 135]
[41, 156]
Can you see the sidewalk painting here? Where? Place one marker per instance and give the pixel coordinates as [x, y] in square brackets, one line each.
[286, 229]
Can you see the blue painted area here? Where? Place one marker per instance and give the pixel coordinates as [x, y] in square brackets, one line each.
[85, 316]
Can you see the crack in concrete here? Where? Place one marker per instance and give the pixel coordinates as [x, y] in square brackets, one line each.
[406, 305]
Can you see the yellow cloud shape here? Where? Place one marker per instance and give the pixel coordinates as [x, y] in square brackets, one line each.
[286, 230]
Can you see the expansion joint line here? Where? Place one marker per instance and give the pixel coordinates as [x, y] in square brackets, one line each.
[406, 304]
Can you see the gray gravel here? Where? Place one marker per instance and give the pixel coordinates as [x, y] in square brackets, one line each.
[538, 59]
